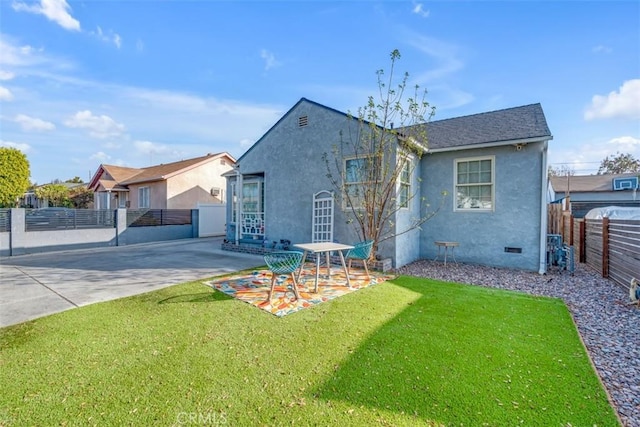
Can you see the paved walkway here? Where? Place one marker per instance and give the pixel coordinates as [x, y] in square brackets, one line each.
[37, 285]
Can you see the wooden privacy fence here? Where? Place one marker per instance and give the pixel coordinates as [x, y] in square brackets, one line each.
[609, 246]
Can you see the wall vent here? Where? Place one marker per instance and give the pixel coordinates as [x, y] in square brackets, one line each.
[303, 121]
[629, 183]
[510, 250]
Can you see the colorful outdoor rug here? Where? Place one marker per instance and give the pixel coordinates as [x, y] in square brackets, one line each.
[253, 288]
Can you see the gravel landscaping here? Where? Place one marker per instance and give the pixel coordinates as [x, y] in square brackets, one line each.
[607, 323]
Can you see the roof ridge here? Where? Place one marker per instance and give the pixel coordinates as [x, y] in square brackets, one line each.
[486, 112]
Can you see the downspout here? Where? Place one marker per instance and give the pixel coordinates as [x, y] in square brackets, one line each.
[543, 212]
[238, 203]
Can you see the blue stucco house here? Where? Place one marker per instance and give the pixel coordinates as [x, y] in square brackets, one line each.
[279, 189]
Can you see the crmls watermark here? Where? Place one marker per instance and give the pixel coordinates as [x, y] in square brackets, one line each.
[201, 418]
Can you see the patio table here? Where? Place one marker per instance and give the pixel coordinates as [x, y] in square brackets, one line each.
[326, 248]
[446, 246]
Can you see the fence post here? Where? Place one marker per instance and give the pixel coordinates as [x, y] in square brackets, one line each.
[605, 247]
[583, 241]
[570, 230]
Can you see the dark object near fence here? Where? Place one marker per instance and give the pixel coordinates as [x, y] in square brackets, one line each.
[559, 254]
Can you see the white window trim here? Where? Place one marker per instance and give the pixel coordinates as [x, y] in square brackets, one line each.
[492, 183]
[409, 163]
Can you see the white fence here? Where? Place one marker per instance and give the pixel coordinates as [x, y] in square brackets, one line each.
[212, 220]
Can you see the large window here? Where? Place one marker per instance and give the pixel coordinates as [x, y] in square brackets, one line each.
[252, 197]
[359, 174]
[475, 184]
[404, 180]
[143, 197]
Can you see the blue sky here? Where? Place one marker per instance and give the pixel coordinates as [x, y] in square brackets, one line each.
[137, 83]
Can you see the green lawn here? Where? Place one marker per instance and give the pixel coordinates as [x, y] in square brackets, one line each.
[407, 352]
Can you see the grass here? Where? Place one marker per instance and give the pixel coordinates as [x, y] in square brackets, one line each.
[407, 352]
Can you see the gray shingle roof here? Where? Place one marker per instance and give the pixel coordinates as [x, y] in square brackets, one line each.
[511, 124]
[586, 183]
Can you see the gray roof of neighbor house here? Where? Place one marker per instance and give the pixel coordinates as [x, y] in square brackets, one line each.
[586, 183]
[511, 125]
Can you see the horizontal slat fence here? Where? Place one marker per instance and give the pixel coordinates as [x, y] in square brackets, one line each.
[154, 217]
[624, 251]
[609, 246]
[593, 244]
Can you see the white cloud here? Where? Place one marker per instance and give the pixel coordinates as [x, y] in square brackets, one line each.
[246, 143]
[98, 126]
[100, 156]
[269, 59]
[444, 56]
[586, 157]
[20, 146]
[625, 144]
[6, 75]
[624, 103]
[5, 94]
[148, 147]
[31, 123]
[109, 37]
[601, 49]
[418, 9]
[55, 10]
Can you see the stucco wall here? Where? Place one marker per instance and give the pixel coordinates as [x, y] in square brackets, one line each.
[483, 236]
[186, 190]
[291, 159]
[157, 194]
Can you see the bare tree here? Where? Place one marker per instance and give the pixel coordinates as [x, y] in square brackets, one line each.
[620, 163]
[562, 170]
[372, 165]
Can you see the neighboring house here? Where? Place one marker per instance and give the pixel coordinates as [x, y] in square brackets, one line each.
[30, 200]
[178, 185]
[580, 194]
[498, 216]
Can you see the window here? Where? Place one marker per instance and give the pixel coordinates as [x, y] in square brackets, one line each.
[252, 220]
[103, 200]
[359, 174]
[143, 197]
[234, 200]
[122, 199]
[475, 184]
[404, 180]
[251, 197]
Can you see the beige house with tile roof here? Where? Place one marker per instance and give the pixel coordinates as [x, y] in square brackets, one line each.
[177, 185]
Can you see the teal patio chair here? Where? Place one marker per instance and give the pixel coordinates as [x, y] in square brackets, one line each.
[362, 252]
[283, 262]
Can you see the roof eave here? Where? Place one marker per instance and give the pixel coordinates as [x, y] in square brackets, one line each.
[492, 144]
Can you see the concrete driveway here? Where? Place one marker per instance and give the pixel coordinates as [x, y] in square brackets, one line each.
[37, 285]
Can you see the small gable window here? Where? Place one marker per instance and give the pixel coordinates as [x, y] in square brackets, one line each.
[303, 121]
[474, 184]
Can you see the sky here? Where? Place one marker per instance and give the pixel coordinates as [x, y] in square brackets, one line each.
[140, 83]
